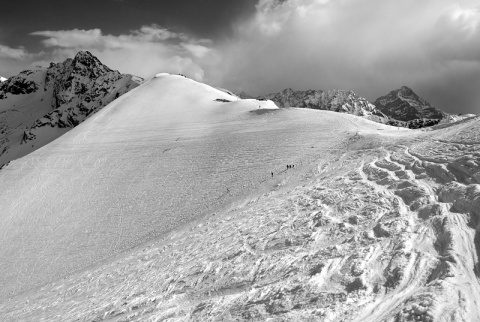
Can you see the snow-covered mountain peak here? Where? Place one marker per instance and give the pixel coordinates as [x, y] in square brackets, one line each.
[160, 75]
[405, 90]
[84, 60]
[345, 101]
[55, 99]
[2, 79]
[87, 58]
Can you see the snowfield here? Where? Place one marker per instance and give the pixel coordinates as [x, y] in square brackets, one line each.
[163, 206]
[159, 156]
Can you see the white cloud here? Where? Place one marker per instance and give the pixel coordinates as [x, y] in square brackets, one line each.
[70, 38]
[13, 53]
[14, 60]
[143, 52]
[198, 51]
[156, 33]
[370, 46]
[457, 34]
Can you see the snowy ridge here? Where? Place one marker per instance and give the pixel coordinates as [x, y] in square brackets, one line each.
[37, 106]
[400, 108]
[163, 154]
[2, 79]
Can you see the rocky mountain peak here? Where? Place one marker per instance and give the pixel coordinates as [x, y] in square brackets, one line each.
[85, 83]
[85, 60]
[86, 56]
[406, 91]
[244, 95]
[404, 104]
[64, 95]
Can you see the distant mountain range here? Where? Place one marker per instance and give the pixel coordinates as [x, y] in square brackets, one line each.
[401, 107]
[37, 106]
[333, 100]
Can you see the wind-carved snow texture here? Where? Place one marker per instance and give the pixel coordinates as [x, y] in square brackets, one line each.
[37, 106]
[377, 224]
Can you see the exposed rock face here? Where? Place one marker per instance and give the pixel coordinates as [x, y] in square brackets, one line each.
[81, 86]
[244, 95]
[45, 103]
[20, 84]
[333, 100]
[414, 124]
[404, 105]
[452, 118]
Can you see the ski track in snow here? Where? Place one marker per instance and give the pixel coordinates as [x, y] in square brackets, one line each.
[369, 226]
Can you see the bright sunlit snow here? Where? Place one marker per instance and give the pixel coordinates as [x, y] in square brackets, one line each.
[160, 155]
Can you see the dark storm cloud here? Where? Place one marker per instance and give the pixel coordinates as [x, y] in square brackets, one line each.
[261, 46]
[369, 46]
[126, 35]
[201, 18]
[141, 52]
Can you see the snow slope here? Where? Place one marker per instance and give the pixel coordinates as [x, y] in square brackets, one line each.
[377, 225]
[2, 79]
[162, 154]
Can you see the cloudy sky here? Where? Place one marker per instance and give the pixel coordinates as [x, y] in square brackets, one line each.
[262, 46]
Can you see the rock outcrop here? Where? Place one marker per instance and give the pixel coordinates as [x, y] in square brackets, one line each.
[81, 86]
[22, 83]
[333, 100]
[404, 105]
[39, 105]
[413, 124]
